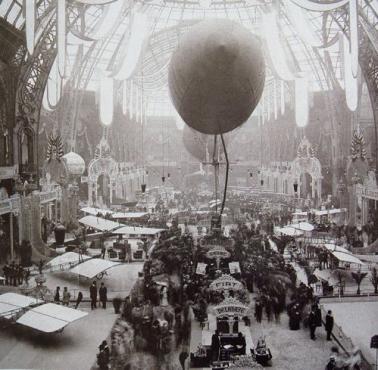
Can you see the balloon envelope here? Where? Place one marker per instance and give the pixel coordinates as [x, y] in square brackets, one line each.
[201, 146]
[216, 76]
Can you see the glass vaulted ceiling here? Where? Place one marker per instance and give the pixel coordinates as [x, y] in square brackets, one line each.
[168, 20]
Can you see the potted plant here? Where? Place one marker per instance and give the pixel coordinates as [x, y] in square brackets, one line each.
[60, 232]
[374, 279]
[358, 277]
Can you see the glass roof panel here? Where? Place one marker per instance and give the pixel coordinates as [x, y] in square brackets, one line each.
[164, 15]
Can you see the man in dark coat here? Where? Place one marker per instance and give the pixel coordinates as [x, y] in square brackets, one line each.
[215, 346]
[79, 299]
[312, 323]
[318, 315]
[6, 270]
[127, 309]
[103, 292]
[258, 310]
[93, 295]
[103, 356]
[329, 324]
[182, 358]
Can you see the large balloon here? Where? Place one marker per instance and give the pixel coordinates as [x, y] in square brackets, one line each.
[195, 143]
[216, 76]
[201, 146]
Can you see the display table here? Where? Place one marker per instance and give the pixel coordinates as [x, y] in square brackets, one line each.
[201, 358]
[237, 363]
[231, 345]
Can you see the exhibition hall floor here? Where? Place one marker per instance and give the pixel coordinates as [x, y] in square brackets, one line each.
[76, 347]
[358, 321]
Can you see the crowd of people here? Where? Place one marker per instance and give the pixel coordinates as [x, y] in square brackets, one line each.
[95, 294]
[15, 274]
[158, 308]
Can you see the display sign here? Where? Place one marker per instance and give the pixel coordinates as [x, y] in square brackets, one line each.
[218, 252]
[231, 307]
[234, 267]
[8, 172]
[84, 179]
[226, 282]
[201, 268]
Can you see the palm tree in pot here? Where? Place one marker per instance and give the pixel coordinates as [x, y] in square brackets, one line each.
[358, 277]
[374, 279]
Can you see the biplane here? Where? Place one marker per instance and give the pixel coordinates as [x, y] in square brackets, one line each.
[81, 264]
[36, 314]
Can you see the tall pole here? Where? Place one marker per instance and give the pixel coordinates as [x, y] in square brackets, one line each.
[216, 173]
[11, 236]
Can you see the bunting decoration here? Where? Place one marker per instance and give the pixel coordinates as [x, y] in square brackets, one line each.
[357, 149]
[54, 148]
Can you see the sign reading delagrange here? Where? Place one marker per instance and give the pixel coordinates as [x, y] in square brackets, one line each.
[231, 307]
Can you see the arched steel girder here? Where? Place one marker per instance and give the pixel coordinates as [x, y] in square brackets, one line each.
[34, 72]
[368, 52]
[82, 72]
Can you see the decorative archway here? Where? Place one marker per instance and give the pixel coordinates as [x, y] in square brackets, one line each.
[307, 163]
[102, 164]
[97, 167]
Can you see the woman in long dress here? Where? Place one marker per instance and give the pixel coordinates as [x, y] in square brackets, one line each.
[164, 296]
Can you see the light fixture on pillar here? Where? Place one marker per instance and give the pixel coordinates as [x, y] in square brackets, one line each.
[295, 186]
[356, 179]
[163, 179]
[262, 182]
[143, 188]
[168, 175]
[341, 187]
[251, 174]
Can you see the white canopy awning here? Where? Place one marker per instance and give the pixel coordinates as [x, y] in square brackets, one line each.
[329, 211]
[66, 260]
[343, 254]
[100, 223]
[117, 215]
[50, 317]
[303, 226]
[95, 211]
[336, 248]
[11, 303]
[135, 230]
[348, 258]
[93, 267]
[325, 275]
[290, 231]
